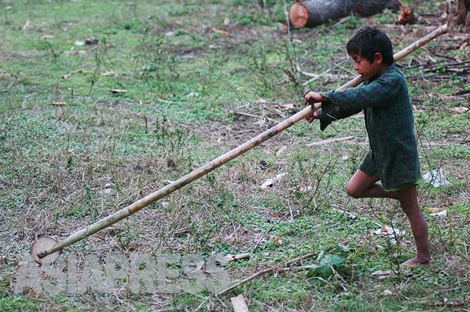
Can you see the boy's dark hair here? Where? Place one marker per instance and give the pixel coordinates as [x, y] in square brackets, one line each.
[367, 41]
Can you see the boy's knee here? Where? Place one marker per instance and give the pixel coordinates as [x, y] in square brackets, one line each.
[352, 190]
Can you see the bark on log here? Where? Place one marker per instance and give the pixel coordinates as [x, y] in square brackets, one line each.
[310, 13]
[463, 8]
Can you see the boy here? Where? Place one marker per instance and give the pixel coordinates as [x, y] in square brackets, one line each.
[393, 155]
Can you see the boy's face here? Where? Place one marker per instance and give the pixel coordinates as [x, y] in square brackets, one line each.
[366, 69]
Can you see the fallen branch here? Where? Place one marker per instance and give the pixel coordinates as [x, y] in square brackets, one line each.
[58, 103]
[451, 305]
[304, 267]
[83, 71]
[78, 71]
[461, 92]
[266, 271]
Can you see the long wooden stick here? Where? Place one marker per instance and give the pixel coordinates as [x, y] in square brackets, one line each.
[197, 173]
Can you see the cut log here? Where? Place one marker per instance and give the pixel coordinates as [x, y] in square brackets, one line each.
[463, 8]
[406, 16]
[310, 13]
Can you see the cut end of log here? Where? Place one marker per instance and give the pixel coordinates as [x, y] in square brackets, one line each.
[298, 15]
[406, 16]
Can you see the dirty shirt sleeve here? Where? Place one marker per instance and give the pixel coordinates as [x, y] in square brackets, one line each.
[373, 94]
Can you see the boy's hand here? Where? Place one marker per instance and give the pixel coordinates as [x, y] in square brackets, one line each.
[313, 97]
[310, 98]
[312, 117]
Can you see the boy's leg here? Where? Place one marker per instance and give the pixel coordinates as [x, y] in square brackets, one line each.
[408, 198]
[364, 185]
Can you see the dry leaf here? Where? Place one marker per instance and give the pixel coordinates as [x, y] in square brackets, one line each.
[382, 274]
[114, 91]
[26, 25]
[442, 213]
[434, 210]
[389, 231]
[223, 32]
[287, 106]
[304, 189]
[282, 149]
[277, 239]
[239, 304]
[386, 292]
[460, 109]
[271, 182]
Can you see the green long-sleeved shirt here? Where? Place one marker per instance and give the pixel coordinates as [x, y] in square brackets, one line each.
[393, 154]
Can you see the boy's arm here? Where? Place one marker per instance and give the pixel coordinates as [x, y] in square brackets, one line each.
[373, 94]
[328, 113]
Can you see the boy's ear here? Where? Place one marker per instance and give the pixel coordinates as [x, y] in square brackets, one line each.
[378, 57]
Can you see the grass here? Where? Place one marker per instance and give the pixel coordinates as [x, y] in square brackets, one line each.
[201, 79]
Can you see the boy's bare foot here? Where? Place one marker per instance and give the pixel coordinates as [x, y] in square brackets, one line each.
[415, 261]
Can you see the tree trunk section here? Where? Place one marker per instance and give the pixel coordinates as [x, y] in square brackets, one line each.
[310, 13]
[463, 7]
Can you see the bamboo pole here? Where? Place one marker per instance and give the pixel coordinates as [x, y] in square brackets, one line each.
[197, 173]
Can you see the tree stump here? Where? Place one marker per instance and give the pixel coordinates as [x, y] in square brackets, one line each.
[310, 13]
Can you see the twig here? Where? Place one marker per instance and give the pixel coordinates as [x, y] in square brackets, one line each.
[330, 141]
[248, 115]
[202, 302]
[447, 56]
[444, 304]
[304, 267]
[291, 77]
[461, 92]
[52, 49]
[266, 271]
[254, 116]
[261, 238]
